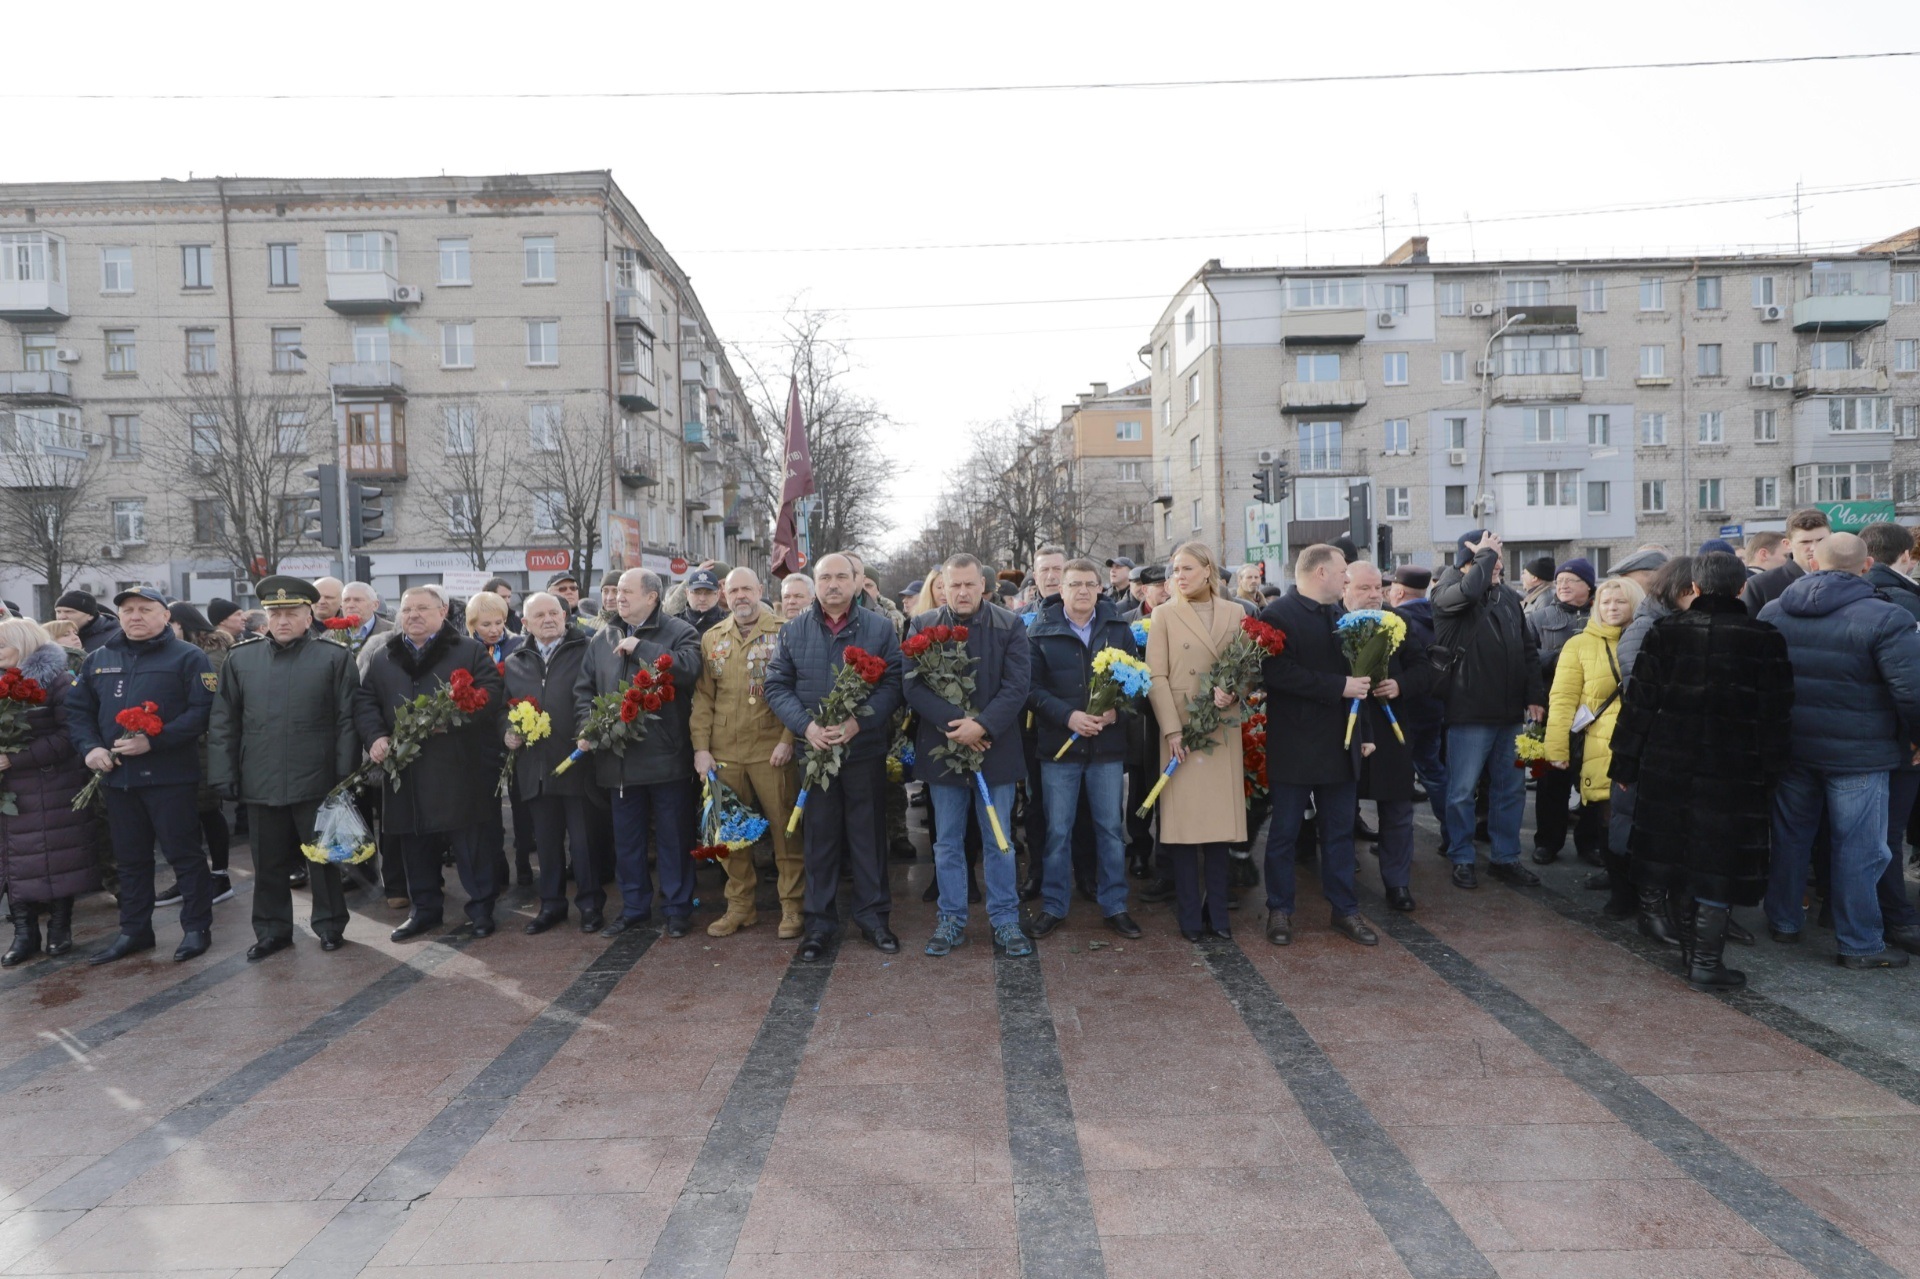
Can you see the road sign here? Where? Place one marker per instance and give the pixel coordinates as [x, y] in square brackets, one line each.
[1732, 532]
[678, 565]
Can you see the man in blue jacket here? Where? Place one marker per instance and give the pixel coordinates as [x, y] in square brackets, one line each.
[1856, 706]
[988, 724]
[151, 782]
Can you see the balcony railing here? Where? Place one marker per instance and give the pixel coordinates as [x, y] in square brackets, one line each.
[1330, 326]
[637, 468]
[637, 393]
[377, 461]
[367, 377]
[1324, 461]
[1537, 319]
[630, 306]
[1842, 312]
[1817, 380]
[1537, 386]
[38, 385]
[1309, 397]
[693, 434]
[368, 292]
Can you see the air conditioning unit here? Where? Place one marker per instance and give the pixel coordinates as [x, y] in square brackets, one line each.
[1768, 314]
[1456, 457]
[1385, 320]
[1481, 309]
[113, 551]
[1760, 379]
[1783, 381]
[407, 293]
[92, 439]
[66, 355]
[1269, 456]
[1483, 367]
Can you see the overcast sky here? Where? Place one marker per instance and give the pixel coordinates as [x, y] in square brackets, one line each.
[767, 199]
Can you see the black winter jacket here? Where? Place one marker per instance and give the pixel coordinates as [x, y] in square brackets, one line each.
[99, 631]
[47, 849]
[665, 754]
[997, 642]
[1493, 665]
[283, 729]
[1421, 712]
[1764, 588]
[1856, 673]
[1901, 590]
[1060, 680]
[807, 661]
[173, 674]
[1306, 699]
[551, 684]
[449, 785]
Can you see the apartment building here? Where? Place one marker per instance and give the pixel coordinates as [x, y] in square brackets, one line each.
[1104, 444]
[1579, 407]
[401, 325]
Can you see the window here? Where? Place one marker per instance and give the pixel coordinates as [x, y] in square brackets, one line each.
[1397, 503]
[1653, 429]
[1906, 422]
[1709, 494]
[1766, 429]
[37, 350]
[1766, 492]
[1189, 329]
[549, 510]
[123, 429]
[1599, 497]
[1709, 363]
[1196, 514]
[1319, 447]
[1831, 279]
[1453, 297]
[1593, 295]
[1455, 499]
[1706, 293]
[204, 430]
[1843, 482]
[1906, 355]
[283, 266]
[1316, 368]
[1453, 366]
[1393, 298]
[1905, 285]
[1540, 353]
[1552, 488]
[1764, 354]
[1456, 432]
[460, 514]
[358, 252]
[541, 265]
[630, 273]
[1193, 453]
[1653, 496]
[209, 520]
[292, 517]
[1393, 370]
[461, 420]
[543, 341]
[1859, 413]
[543, 427]
[1543, 425]
[1166, 358]
[456, 262]
[1763, 290]
[1129, 472]
[30, 255]
[1832, 355]
[1599, 429]
[290, 433]
[1320, 500]
[372, 343]
[1653, 361]
[1307, 295]
[1126, 431]
[1601, 557]
[1399, 438]
[202, 355]
[130, 521]
[1593, 363]
[287, 354]
[116, 270]
[1712, 428]
[122, 355]
[196, 266]
[1653, 293]
[456, 346]
[1525, 293]
[1193, 388]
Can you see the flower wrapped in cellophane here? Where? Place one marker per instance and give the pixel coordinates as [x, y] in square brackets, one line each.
[1368, 638]
[728, 824]
[530, 724]
[1119, 679]
[340, 833]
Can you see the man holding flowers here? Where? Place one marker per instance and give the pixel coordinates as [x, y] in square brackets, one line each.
[1086, 675]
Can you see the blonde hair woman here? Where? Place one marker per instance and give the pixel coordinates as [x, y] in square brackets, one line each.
[1583, 707]
[1204, 805]
[933, 594]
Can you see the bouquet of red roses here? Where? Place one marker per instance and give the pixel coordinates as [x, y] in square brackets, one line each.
[17, 694]
[135, 721]
[942, 663]
[859, 672]
[339, 630]
[1237, 670]
[623, 717]
[1253, 751]
[452, 705]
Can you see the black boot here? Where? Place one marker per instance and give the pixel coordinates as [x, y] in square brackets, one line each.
[1620, 898]
[1705, 967]
[26, 932]
[60, 927]
[1656, 921]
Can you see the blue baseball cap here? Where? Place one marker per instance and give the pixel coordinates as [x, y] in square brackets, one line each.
[142, 592]
[703, 579]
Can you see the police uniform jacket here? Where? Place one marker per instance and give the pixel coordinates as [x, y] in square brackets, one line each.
[174, 675]
[449, 786]
[282, 731]
[550, 682]
[663, 755]
[731, 717]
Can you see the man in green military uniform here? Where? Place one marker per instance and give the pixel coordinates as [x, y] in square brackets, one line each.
[281, 737]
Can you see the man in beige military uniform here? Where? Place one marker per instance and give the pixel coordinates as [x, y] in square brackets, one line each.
[734, 730]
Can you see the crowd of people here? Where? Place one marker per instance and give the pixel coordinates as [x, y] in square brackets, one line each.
[1719, 730]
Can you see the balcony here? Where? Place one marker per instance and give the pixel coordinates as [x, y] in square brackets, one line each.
[1329, 327]
[636, 393]
[695, 502]
[376, 460]
[367, 379]
[693, 434]
[696, 373]
[33, 276]
[1540, 319]
[630, 306]
[1309, 397]
[50, 386]
[1514, 387]
[41, 451]
[1810, 381]
[368, 293]
[636, 468]
[1324, 461]
[1841, 312]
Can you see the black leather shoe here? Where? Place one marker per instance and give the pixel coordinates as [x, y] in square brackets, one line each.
[1189, 934]
[1042, 924]
[1906, 937]
[1544, 857]
[1891, 957]
[122, 946]
[1363, 831]
[621, 925]
[882, 939]
[1224, 934]
[481, 927]
[272, 946]
[414, 927]
[1030, 891]
[544, 920]
[1160, 890]
[1140, 867]
[1400, 899]
[1357, 928]
[592, 922]
[678, 926]
[331, 942]
[1279, 928]
[297, 879]
[1782, 936]
[1123, 924]
[1513, 873]
[1463, 876]
[192, 946]
[814, 947]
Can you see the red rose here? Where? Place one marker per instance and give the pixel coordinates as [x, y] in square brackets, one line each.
[29, 691]
[652, 701]
[629, 711]
[916, 645]
[666, 693]
[340, 623]
[462, 678]
[664, 662]
[960, 634]
[937, 634]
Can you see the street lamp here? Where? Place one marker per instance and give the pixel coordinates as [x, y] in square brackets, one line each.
[1486, 390]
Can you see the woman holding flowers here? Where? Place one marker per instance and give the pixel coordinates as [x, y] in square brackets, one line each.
[1203, 807]
[488, 615]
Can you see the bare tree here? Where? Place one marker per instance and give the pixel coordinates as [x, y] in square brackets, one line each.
[474, 485]
[569, 479]
[1013, 476]
[243, 445]
[51, 520]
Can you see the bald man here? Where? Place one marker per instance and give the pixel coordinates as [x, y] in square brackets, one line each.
[330, 589]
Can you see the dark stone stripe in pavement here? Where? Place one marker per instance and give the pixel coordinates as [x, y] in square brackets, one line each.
[92, 1185]
[349, 1241]
[698, 1240]
[110, 1028]
[78, 955]
[1052, 1207]
[1430, 1242]
[1803, 1234]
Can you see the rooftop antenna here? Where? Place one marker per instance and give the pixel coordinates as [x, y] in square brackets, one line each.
[1383, 226]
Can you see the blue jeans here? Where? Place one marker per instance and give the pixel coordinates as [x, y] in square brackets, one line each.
[1431, 767]
[1856, 809]
[1105, 781]
[950, 804]
[1471, 750]
[1333, 806]
[665, 812]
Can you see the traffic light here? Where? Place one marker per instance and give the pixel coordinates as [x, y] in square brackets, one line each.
[1263, 486]
[366, 514]
[1281, 485]
[320, 521]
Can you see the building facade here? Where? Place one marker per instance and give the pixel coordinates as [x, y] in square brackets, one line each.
[1104, 443]
[400, 326]
[1577, 407]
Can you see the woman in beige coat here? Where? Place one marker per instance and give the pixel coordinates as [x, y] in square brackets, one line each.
[1204, 805]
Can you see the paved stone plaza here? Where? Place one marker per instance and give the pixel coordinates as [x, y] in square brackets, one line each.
[1507, 1085]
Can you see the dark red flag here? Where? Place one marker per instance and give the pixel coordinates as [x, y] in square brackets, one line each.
[787, 557]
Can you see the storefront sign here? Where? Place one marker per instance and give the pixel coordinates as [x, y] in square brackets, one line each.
[1851, 517]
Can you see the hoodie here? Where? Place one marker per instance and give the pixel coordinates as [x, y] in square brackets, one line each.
[1856, 673]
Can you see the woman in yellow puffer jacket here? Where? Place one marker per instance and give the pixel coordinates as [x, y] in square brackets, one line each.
[1588, 678]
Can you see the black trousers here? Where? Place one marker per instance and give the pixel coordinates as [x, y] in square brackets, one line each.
[473, 861]
[1551, 795]
[277, 835]
[561, 826]
[1191, 863]
[138, 816]
[845, 824]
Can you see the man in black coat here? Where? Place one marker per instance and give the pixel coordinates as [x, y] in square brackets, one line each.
[1386, 774]
[843, 823]
[1422, 717]
[444, 793]
[1309, 759]
[1891, 546]
[282, 737]
[1806, 529]
[80, 608]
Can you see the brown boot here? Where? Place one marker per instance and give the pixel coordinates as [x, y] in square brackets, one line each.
[792, 924]
[732, 922]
